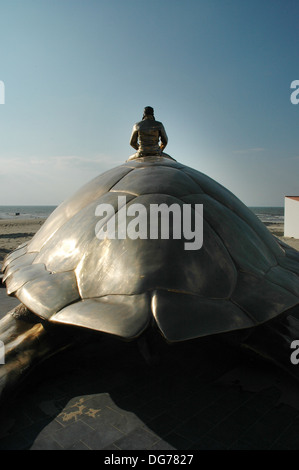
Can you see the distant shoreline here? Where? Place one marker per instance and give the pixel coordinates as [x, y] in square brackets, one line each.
[25, 212]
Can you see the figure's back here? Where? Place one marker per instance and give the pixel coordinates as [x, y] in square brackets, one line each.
[149, 132]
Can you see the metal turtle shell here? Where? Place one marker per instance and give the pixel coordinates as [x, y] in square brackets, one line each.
[241, 277]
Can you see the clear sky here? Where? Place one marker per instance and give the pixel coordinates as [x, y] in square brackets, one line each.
[78, 74]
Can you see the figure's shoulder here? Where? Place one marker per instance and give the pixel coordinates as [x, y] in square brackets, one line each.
[137, 125]
[146, 123]
[159, 124]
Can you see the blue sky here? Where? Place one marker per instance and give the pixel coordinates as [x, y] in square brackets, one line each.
[78, 74]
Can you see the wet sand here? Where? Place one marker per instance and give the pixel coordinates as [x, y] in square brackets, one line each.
[14, 232]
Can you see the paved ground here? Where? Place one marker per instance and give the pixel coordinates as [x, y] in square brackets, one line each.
[201, 395]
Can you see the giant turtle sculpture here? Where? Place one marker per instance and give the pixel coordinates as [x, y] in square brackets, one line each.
[241, 277]
[241, 283]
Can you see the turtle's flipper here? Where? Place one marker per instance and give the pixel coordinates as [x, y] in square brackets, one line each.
[25, 342]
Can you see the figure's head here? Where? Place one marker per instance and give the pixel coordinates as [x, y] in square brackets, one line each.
[148, 111]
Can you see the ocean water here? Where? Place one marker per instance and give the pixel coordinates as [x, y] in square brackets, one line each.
[268, 215]
[26, 212]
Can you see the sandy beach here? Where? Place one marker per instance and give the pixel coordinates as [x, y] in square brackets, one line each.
[14, 232]
[277, 230]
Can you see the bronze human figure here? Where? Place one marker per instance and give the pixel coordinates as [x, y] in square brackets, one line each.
[148, 136]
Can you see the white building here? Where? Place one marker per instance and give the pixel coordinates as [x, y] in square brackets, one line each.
[291, 216]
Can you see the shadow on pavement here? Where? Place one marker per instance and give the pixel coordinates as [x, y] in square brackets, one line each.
[201, 394]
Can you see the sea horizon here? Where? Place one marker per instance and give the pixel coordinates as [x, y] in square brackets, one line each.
[267, 214]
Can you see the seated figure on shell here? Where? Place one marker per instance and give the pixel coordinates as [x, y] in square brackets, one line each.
[148, 137]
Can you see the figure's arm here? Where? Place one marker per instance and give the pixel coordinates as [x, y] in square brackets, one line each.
[163, 137]
[134, 139]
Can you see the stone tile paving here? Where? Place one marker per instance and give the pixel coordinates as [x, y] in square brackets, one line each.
[103, 395]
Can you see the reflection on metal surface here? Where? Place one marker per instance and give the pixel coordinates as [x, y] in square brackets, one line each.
[220, 194]
[69, 208]
[242, 276]
[14, 255]
[252, 254]
[158, 180]
[192, 316]
[144, 162]
[120, 315]
[23, 275]
[49, 293]
[17, 263]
